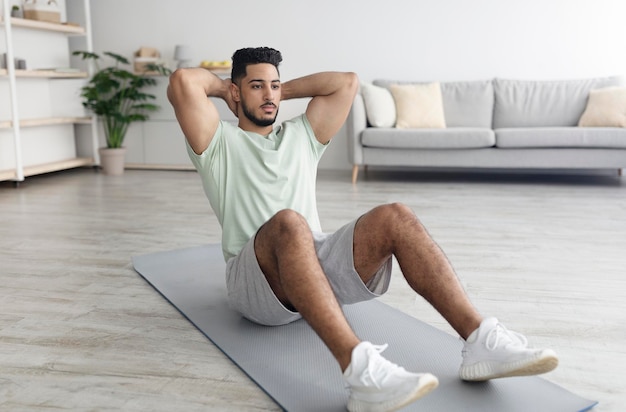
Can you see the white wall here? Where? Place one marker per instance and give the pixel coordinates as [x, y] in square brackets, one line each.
[412, 39]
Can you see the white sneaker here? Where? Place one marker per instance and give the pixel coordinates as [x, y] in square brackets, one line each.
[492, 351]
[379, 385]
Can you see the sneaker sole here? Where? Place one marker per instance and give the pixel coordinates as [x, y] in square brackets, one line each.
[427, 384]
[483, 371]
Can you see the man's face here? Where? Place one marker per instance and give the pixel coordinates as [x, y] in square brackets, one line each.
[259, 93]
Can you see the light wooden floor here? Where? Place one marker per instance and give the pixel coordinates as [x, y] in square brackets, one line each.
[80, 330]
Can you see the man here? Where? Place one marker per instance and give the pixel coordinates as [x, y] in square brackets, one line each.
[280, 266]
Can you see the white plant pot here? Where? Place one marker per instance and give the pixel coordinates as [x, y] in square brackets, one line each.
[112, 160]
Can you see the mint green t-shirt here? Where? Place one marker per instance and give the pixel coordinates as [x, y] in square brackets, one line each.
[248, 177]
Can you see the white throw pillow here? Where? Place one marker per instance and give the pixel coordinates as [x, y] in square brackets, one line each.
[379, 105]
[418, 106]
[606, 107]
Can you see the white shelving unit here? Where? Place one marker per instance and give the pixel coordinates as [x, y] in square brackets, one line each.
[41, 116]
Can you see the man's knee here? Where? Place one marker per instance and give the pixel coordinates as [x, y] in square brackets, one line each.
[288, 222]
[397, 218]
[396, 212]
[285, 229]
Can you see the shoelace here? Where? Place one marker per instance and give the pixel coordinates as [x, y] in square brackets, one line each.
[500, 334]
[378, 368]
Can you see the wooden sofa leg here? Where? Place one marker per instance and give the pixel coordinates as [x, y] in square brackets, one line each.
[620, 172]
[355, 173]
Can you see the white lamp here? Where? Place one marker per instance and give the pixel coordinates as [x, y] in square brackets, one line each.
[182, 54]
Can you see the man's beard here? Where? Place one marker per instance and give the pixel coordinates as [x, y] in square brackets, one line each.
[256, 120]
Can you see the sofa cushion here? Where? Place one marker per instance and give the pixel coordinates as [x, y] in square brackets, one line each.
[418, 106]
[379, 105]
[605, 108]
[465, 104]
[450, 138]
[520, 103]
[571, 137]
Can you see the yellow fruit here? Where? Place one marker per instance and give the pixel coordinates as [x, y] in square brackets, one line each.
[208, 64]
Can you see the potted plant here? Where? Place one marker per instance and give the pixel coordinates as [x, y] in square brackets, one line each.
[16, 12]
[116, 95]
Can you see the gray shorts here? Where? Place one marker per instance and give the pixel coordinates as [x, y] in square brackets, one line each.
[250, 294]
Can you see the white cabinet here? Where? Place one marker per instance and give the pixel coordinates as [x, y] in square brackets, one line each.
[41, 115]
[159, 142]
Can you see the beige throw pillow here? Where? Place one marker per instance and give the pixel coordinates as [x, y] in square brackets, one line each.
[418, 106]
[379, 105]
[605, 108]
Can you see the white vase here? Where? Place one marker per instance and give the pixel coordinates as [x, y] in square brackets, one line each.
[112, 160]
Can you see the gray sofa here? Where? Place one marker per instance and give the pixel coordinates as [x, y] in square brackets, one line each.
[495, 124]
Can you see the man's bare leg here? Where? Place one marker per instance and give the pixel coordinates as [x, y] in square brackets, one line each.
[286, 253]
[395, 230]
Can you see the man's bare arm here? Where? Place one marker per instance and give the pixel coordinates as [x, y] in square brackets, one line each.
[332, 93]
[197, 115]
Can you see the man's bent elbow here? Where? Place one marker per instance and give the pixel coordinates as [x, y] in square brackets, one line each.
[352, 82]
[175, 84]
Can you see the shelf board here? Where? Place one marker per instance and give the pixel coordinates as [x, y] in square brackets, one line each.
[7, 175]
[46, 26]
[47, 121]
[217, 69]
[56, 166]
[48, 167]
[218, 72]
[159, 166]
[45, 74]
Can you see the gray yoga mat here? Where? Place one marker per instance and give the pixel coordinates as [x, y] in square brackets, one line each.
[292, 365]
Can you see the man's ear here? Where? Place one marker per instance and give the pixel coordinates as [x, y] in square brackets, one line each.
[234, 91]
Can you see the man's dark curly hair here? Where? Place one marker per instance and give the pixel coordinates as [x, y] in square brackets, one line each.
[253, 55]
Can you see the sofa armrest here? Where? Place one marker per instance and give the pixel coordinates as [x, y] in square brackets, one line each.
[355, 124]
